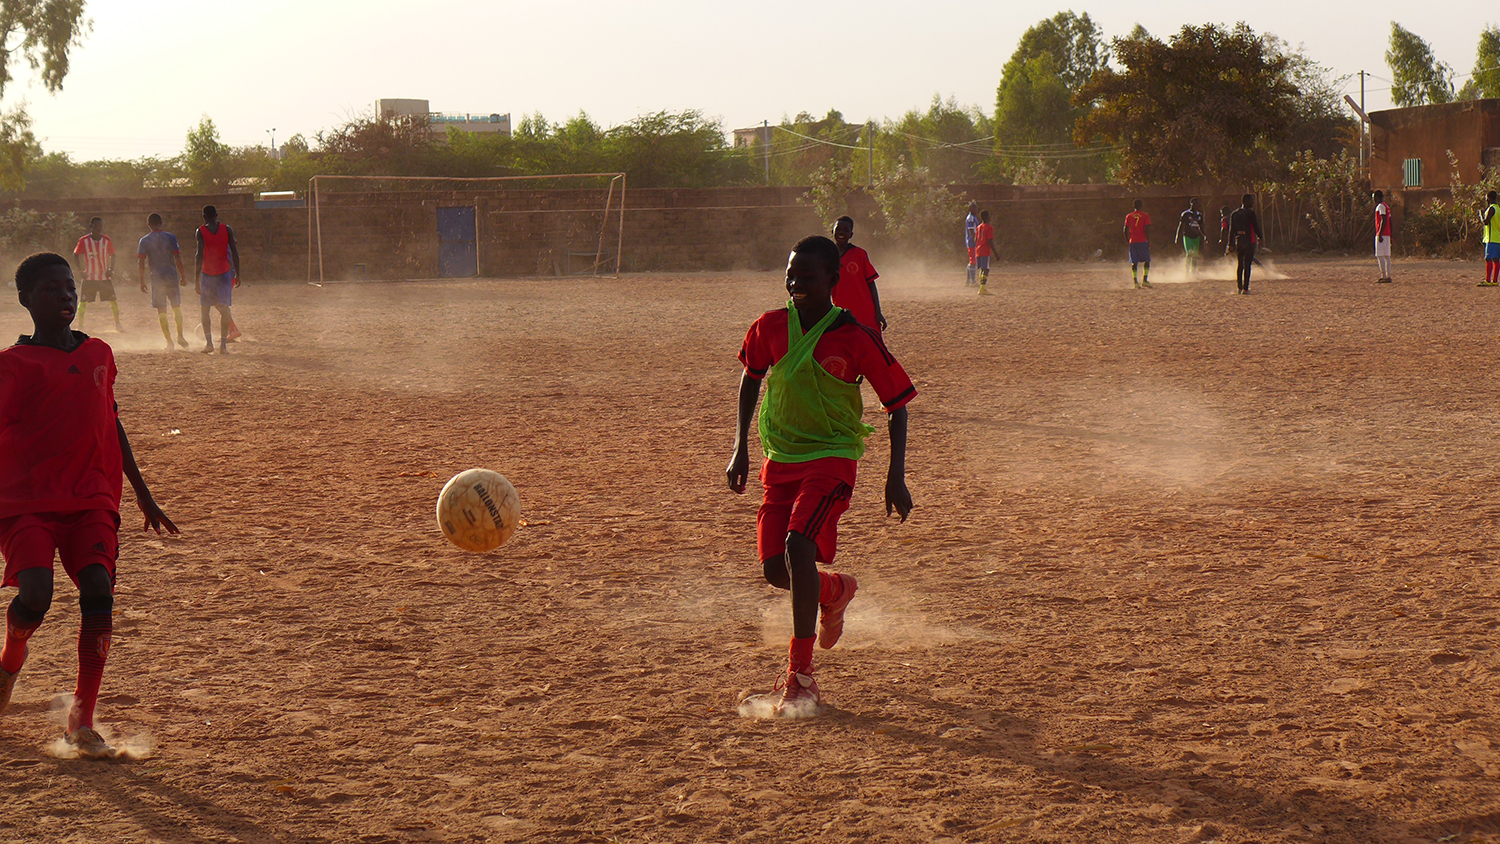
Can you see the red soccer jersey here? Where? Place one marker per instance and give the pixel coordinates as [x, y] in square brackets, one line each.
[847, 350]
[982, 236]
[95, 256]
[1136, 223]
[1382, 220]
[59, 445]
[216, 250]
[852, 293]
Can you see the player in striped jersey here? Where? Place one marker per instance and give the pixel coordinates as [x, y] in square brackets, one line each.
[98, 254]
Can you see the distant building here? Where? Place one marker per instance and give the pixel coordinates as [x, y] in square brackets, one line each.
[392, 109]
[752, 136]
[1409, 146]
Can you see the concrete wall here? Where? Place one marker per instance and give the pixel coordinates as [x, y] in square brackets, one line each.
[1428, 133]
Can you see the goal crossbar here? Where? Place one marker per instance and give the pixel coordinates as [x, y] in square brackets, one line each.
[611, 203]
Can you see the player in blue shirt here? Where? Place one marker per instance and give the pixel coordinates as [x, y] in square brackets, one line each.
[971, 223]
[159, 249]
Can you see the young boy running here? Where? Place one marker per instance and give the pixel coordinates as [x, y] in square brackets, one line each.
[859, 295]
[62, 454]
[1382, 238]
[218, 274]
[1489, 220]
[98, 253]
[1137, 231]
[812, 356]
[971, 223]
[1190, 235]
[160, 250]
[984, 248]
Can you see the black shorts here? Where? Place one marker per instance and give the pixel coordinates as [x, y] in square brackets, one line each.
[101, 291]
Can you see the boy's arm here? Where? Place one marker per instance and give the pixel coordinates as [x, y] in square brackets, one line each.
[875, 297]
[738, 472]
[234, 255]
[1177, 237]
[897, 496]
[155, 518]
[140, 270]
[181, 272]
[198, 269]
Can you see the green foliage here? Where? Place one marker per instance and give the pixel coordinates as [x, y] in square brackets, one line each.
[1034, 110]
[830, 190]
[941, 141]
[918, 210]
[16, 148]
[1074, 43]
[1451, 229]
[1485, 80]
[1331, 194]
[1418, 77]
[42, 32]
[1322, 125]
[205, 158]
[24, 232]
[1208, 107]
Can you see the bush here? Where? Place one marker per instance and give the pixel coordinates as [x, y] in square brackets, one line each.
[920, 212]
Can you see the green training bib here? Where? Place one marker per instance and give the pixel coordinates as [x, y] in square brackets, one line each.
[807, 413]
[1492, 228]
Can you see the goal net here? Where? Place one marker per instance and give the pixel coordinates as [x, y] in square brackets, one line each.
[420, 227]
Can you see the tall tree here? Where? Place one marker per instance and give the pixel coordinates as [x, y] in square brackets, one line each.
[1485, 80]
[42, 32]
[1207, 107]
[1418, 77]
[1034, 111]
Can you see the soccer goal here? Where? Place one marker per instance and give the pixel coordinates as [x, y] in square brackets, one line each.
[418, 227]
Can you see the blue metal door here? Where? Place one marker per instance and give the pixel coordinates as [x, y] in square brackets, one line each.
[458, 253]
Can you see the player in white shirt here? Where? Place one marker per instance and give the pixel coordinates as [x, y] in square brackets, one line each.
[98, 254]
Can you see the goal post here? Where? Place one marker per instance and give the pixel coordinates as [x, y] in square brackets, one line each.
[455, 227]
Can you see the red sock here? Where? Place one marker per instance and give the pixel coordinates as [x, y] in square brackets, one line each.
[93, 649]
[830, 587]
[801, 654]
[20, 623]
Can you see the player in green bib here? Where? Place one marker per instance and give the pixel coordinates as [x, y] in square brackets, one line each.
[1490, 221]
[812, 357]
[1190, 235]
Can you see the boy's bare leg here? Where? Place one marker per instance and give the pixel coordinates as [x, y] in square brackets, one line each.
[802, 567]
[225, 321]
[208, 327]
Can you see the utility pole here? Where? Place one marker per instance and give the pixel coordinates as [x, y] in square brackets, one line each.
[870, 129]
[1363, 128]
[765, 143]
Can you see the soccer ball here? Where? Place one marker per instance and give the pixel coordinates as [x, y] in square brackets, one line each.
[478, 510]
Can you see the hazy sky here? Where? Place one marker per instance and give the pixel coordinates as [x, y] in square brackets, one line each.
[150, 69]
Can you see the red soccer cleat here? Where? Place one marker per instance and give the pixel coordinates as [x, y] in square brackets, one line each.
[831, 619]
[799, 695]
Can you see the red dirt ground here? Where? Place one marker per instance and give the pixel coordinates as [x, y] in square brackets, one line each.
[1186, 566]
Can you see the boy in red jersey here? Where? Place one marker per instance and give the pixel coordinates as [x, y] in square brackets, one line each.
[62, 454]
[858, 295]
[812, 356]
[98, 253]
[984, 247]
[218, 275]
[1138, 231]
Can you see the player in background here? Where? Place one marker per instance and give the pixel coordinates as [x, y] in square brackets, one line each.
[218, 265]
[1489, 219]
[98, 253]
[812, 356]
[1382, 238]
[971, 223]
[858, 295]
[984, 248]
[1137, 231]
[1190, 235]
[62, 454]
[1243, 233]
[159, 249]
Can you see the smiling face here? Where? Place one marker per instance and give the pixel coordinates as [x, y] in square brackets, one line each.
[53, 300]
[810, 281]
[842, 231]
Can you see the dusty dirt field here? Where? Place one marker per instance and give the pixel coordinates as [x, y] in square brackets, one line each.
[1186, 566]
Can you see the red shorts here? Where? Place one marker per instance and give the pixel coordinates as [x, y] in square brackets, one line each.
[807, 498]
[80, 539]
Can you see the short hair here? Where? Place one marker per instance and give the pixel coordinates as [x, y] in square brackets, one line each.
[29, 272]
[818, 246]
[210, 211]
[985, 216]
[973, 206]
[844, 219]
[1379, 195]
[93, 220]
[1137, 203]
[154, 219]
[1492, 196]
[1247, 200]
[1223, 209]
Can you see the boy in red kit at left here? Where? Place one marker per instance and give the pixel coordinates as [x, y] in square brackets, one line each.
[857, 294]
[63, 453]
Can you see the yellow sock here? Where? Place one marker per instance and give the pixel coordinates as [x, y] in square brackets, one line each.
[115, 306]
[178, 313]
[166, 330]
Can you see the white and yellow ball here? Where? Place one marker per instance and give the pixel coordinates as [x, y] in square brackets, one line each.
[478, 510]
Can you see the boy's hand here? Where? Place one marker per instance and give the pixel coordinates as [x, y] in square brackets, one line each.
[143, 284]
[155, 518]
[897, 497]
[880, 318]
[738, 472]
[235, 282]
